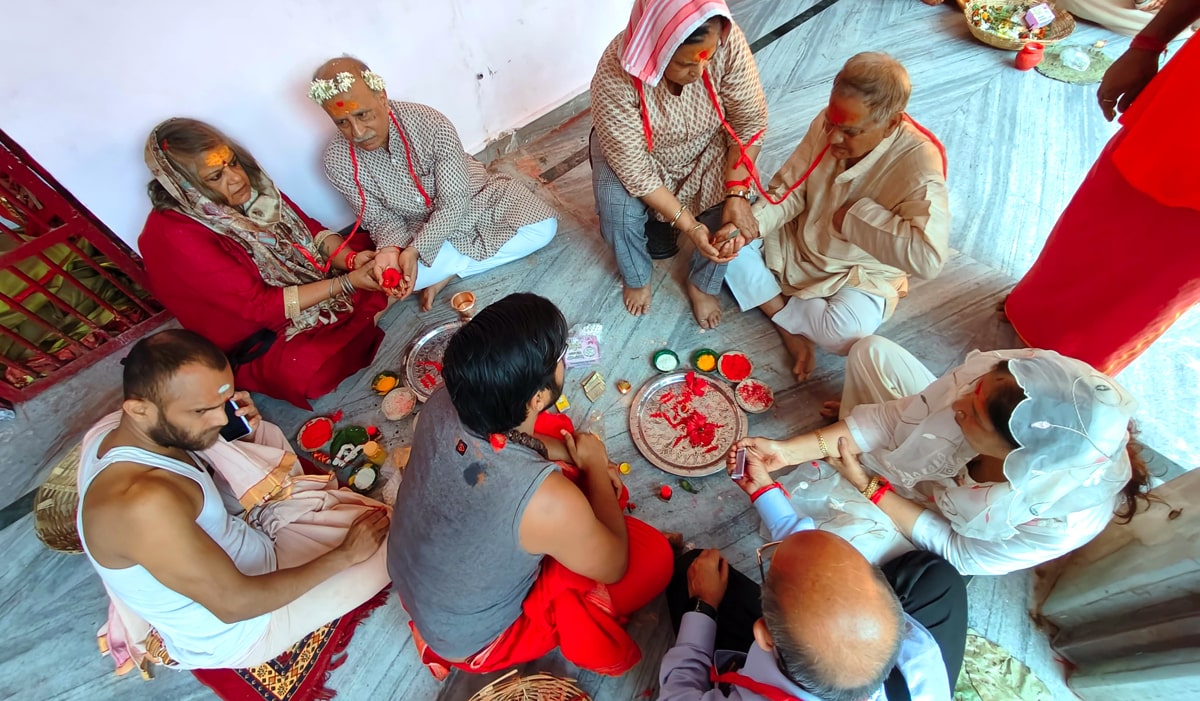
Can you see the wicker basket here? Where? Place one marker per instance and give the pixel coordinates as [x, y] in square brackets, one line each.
[1059, 29]
[55, 505]
[535, 687]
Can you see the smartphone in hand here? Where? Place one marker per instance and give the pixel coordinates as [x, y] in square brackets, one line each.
[739, 464]
[236, 426]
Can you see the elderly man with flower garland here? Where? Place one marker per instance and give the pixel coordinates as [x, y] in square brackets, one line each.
[862, 205]
[433, 211]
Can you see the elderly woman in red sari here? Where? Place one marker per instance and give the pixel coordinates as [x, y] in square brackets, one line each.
[660, 149]
[236, 261]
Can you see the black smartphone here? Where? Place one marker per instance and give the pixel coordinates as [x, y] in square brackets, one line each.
[739, 464]
[236, 426]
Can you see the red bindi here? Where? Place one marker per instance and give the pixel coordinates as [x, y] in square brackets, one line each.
[702, 55]
[341, 104]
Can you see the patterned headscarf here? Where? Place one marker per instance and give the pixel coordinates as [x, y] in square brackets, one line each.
[269, 230]
[657, 28]
[1072, 429]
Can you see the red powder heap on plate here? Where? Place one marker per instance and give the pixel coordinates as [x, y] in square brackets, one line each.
[735, 367]
[315, 433]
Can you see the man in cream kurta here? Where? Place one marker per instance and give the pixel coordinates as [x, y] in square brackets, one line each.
[835, 255]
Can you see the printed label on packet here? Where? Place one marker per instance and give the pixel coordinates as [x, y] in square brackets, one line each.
[562, 404]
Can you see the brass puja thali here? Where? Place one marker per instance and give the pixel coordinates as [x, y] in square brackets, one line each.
[685, 423]
[423, 359]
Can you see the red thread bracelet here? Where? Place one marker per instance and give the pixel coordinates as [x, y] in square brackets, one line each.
[745, 182]
[763, 490]
[1145, 43]
[350, 260]
[884, 488]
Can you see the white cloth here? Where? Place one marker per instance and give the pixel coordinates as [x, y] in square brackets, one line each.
[450, 262]
[1118, 15]
[898, 224]
[295, 517]
[833, 323]
[915, 433]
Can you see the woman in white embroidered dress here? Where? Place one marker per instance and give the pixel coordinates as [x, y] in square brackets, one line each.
[1009, 460]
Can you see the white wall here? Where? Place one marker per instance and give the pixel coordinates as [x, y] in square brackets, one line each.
[85, 81]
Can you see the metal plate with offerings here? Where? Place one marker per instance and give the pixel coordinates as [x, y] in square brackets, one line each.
[685, 424]
[423, 359]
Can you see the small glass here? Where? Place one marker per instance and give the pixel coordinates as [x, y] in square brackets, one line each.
[464, 304]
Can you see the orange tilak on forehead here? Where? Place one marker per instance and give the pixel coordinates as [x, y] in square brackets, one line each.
[702, 55]
[344, 107]
[218, 157]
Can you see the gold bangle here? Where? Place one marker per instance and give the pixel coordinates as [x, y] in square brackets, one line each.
[871, 488]
[822, 444]
[291, 302]
[677, 215]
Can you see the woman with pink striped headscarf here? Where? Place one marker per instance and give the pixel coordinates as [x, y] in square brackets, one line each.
[665, 94]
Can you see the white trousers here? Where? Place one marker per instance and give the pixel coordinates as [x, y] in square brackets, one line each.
[832, 323]
[878, 371]
[450, 262]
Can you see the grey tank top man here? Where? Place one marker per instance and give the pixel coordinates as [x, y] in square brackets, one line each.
[455, 553]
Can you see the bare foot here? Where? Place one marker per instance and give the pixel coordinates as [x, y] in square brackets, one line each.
[830, 411]
[675, 539]
[427, 295]
[637, 300]
[705, 307]
[802, 350]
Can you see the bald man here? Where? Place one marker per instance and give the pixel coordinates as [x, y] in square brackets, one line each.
[434, 212]
[825, 626]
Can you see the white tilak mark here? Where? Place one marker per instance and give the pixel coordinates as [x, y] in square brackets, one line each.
[223, 389]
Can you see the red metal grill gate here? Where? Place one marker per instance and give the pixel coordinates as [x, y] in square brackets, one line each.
[70, 291]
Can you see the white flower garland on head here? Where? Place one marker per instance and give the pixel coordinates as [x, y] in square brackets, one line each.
[322, 90]
[374, 81]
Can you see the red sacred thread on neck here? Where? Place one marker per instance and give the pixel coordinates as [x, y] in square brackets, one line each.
[408, 160]
[743, 147]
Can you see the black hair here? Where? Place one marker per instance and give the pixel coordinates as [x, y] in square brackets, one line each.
[715, 22]
[1003, 402]
[155, 359]
[800, 663]
[496, 362]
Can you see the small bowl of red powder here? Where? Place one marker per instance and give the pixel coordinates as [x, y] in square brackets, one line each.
[315, 434]
[734, 366]
[754, 396]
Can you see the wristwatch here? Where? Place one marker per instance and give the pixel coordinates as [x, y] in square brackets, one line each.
[701, 606]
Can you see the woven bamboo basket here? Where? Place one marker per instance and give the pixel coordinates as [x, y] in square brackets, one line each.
[1059, 29]
[535, 687]
[55, 505]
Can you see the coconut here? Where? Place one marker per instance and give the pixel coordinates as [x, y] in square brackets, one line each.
[398, 403]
